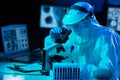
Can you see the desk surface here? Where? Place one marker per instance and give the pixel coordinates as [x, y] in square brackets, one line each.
[8, 74]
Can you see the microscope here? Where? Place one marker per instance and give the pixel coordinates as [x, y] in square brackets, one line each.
[61, 38]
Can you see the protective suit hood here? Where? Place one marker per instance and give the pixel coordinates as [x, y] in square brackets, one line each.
[77, 12]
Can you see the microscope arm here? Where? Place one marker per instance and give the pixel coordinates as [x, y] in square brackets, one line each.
[45, 57]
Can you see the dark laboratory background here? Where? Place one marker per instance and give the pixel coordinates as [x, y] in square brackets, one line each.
[28, 12]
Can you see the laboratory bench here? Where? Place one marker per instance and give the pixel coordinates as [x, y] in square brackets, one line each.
[7, 71]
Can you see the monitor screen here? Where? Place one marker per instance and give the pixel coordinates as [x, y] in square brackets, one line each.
[113, 17]
[15, 39]
[51, 16]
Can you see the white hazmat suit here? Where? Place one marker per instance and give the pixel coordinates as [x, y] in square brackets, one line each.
[96, 49]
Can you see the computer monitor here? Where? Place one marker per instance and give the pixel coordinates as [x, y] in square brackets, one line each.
[113, 17]
[51, 15]
[15, 40]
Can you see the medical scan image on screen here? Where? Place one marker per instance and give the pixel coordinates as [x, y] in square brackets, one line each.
[15, 39]
[113, 17]
[51, 16]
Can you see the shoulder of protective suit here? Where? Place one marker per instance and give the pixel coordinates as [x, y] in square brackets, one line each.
[106, 31]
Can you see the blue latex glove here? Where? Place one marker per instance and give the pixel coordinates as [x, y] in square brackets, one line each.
[54, 32]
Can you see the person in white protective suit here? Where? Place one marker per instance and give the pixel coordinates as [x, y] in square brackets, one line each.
[95, 47]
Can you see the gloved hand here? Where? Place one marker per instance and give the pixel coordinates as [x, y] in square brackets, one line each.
[54, 32]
